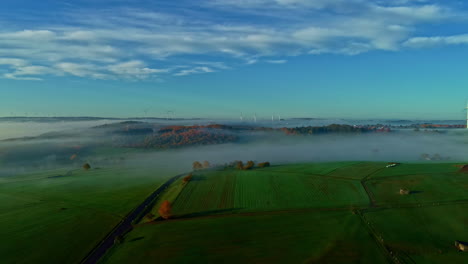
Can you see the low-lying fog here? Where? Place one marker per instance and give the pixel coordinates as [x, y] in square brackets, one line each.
[11, 129]
[405, 145]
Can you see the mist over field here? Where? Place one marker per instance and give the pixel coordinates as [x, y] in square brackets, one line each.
[31, 129]
[290, 149]
[82, 142]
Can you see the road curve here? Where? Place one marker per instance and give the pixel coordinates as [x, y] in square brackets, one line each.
[125, 225]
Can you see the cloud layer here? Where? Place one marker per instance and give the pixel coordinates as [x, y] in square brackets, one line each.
[182, 39]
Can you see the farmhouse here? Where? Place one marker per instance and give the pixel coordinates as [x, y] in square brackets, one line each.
[462, 246]
[404, 191]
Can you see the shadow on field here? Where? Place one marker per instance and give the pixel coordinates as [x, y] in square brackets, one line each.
[136, 239]
[415, 192]
[69, 173]
[198, 178]
[205, 213]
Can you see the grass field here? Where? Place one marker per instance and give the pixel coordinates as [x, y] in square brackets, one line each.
[341, 212]
[433, 187]
[300, 237]
[48, 217]
[309, 213]
[423, 234]
[238, 191]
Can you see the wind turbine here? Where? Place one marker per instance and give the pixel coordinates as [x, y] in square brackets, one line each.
[170, 114]
[255, 117]
[466, 109]
[241, 117]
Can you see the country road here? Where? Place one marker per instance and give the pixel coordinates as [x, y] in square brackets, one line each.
[125, 225]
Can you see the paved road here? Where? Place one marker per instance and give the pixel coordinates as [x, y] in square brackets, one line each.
[125, 225]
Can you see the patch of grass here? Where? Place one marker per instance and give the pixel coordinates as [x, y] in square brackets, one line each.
[310, 168]
[358, 171]
[417, 168]
[257, 190]
[60, 219]
[424, 188]
[423, 235]
[300, 237]
[51, 232]
[170, 195]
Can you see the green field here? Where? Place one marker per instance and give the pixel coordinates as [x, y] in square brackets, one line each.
[294, 237]
[262, 189]
[340, 212]
[309, 213]
[60, 219]
[423, 234]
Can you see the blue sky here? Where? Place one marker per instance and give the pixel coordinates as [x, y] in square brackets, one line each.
[216, 58]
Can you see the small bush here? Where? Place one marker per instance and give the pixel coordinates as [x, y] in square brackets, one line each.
[263, 164]
[149, 216]
[187, 178]
[197, 165]
[86, 166]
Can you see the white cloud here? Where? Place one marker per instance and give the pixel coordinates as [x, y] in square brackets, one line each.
[127, 43]
[418, 42]
[24, 72]
[277, 61]
[14, 77]
[13, 62]
[134, 69]
[195, 70]
[82, 70]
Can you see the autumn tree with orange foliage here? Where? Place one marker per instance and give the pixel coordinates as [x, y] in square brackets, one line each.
[239, 165]
[197, 165]
[206, 164]
[187, 178]
[263, 164]
[165, 210]
[250, 164]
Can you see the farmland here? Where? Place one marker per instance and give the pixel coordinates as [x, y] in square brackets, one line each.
[264, 238]
[340, 212]
[263, 190]
[65, 213]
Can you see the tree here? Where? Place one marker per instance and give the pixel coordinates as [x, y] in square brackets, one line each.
[197, 165]
[239, 165]
[263, 164]
[187, 178]
[86, 166]
[206, 164]
[250, 164]
[165, 210]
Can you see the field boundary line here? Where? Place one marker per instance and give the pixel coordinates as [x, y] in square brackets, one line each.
[377, 239]
[309, 174]
[415, 174]
[247, 214]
